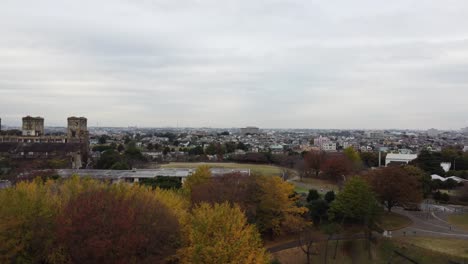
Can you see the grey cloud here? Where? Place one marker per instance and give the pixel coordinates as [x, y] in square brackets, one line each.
[339, 64]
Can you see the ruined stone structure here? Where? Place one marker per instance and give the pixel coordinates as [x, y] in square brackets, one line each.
[34, 144]
[33, 126]
[77, 129]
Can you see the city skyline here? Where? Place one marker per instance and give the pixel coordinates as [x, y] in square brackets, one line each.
[271, 64]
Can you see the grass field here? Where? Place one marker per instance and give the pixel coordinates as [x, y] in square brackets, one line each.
[320, 185]
[460, 221]
[448, 246]
[393, 221]
[267, 170]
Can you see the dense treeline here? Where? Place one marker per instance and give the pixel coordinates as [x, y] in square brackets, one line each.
[208, 220]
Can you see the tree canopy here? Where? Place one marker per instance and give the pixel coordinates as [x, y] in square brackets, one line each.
[220, 233]
[395, 186]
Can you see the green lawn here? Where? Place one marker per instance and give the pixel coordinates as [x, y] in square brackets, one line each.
[451, 247]
[299, 189]
[318, 184]
[255, 168]
[393, 221]
[460, 221]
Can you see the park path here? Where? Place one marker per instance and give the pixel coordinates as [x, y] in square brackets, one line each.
[432, 222]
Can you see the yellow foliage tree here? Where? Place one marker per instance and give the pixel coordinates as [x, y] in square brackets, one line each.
[27, 213]
[201, 175]
[277, 211]
[220, 233]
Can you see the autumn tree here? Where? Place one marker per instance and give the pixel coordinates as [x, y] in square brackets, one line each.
[220, 233]
[313, 161]
[110, 227]
[423, 177]
[353, 156]
[201, 175]
[276, 208]
[234, 188]
[27, 215]
[337, 167]
[268, 201]
[395, 186]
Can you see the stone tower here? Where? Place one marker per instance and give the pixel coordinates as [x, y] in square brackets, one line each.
[33, 126]
[77, 129]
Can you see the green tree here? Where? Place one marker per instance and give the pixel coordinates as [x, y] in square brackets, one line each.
[108, 159]
[120, 148]
[330, 196]
[162, 182]
[102, 139]
[198, 150]
[356, 202]
[317, 210]
[150, 146]
[429, 162]
[313, 195]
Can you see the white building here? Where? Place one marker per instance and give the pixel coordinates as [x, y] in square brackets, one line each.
[328, 146]
[399, 158]
[320, 141]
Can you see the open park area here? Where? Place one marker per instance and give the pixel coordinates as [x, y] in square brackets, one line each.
[267, 170]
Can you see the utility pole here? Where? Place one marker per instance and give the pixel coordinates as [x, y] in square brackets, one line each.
[380, 158]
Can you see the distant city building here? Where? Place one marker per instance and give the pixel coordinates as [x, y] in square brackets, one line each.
[249, 130]
[433, 132]
[328, 146]
[325, 144]
[405, 151]
[397, 158]
[374, 134]
[277, 149]
[320, 141]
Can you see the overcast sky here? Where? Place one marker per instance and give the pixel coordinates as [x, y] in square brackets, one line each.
[277, 64]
